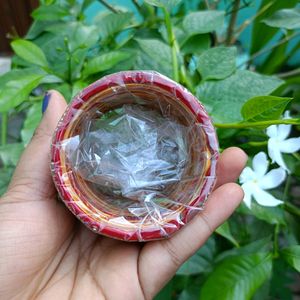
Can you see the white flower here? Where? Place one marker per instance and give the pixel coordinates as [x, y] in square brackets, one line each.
[278, 143]
[255, 181]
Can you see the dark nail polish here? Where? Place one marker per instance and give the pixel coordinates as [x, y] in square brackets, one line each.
[45, 101]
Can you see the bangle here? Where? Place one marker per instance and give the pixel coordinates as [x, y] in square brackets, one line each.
[114, 205]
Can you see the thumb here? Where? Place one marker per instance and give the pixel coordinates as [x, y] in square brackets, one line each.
[32, 173]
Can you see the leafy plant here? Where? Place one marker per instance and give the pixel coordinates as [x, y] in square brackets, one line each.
[199, 45]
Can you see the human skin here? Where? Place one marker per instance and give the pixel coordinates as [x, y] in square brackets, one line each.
[46, 253]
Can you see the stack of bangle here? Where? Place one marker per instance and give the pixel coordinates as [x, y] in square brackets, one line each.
[99, 211]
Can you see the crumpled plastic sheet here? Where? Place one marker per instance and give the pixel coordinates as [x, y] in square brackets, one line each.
[134, 156]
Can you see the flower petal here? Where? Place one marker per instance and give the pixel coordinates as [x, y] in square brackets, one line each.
[260, 164]
[275, 154]
[247, 187]
[290, 145]
[272, 179]
[283, 131]
[247, 175]
[265, 198]
[272, 131]
[287, 114]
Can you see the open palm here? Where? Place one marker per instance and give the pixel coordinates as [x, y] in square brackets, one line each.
[46, 253]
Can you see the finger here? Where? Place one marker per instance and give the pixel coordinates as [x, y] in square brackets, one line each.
[163, 258]
[230, 165]
[33, 169]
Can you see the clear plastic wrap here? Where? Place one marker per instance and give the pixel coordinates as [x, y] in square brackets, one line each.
[134, 156]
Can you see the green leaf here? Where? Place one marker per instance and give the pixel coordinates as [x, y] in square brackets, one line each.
[190, 293]
[36, 29]
[30, 52]
[292, 256]
[50, 13]
[280, 287]
[51, 79]
[166, 292]
[263, 291]
[261, 33]
[164, 3]
[104, 62]
[259, 246]
[237, 277]
[55, 50]
[10, 154]
[201, 262]
[16, 74]
[79, 39]
[109, 23]
[16, 91]
[85, 4]
[224, 98]
[65, 89]
[158, 56]
[284, 18]
[78, 34]
[31, 122]
[224, 230]
[217, 62]
[263, 108]
[5, 176]
[196, 44]
[78, 86]
[203, 21]
[272, 215]
[275, 60]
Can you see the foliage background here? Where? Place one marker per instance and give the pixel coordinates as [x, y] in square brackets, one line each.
[202, 45]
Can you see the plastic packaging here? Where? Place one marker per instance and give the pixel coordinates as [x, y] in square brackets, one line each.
[134, 156]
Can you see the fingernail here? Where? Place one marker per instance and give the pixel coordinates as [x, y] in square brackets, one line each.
[46, 101]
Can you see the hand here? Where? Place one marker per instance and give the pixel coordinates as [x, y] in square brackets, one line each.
[46, 253]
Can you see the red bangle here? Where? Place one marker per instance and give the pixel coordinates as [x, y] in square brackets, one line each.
[95, 211]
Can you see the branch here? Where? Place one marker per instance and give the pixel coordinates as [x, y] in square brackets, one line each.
[258, 124]
[245, 4]
[289, 73]
[291, 208]
[207, 4]
[172, 43]
[4, 122]
[215, 4]
[108, 6]
[136, 4]
[247, 22]
[282, 41]
[230, 30]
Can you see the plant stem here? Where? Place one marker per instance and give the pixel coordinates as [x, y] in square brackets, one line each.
[275, 242]
[258, 144]
[286, 187]
[207, 4]
[185, 79]
[215, 4]
[136, 4]
[4, 122]
[172, 43]
[289, 73]
[69, 59]
[108, 6]
[291, 208]
[247, 22]
[267, 49]
[296, 155]
[293, 51]
[179, 74]
[230, 31]
[258, 124]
